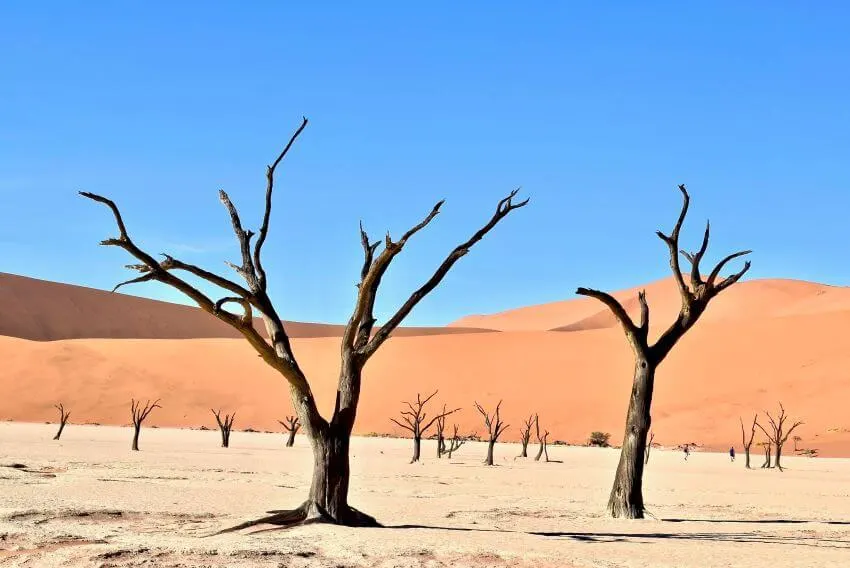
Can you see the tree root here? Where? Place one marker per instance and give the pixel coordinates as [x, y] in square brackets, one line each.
[307, 513]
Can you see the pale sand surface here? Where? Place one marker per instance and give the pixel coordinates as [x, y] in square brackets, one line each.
[87, 500]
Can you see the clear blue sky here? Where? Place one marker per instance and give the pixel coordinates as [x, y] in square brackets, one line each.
[596, 109]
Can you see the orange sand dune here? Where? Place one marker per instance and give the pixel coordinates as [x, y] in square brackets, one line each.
[759, 343]
[47, 311]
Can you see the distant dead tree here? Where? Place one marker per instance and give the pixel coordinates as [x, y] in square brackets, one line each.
[327, 499]
[139, 414]
[778, 434]
[494, 426]
[441, 433]
[291, 425]
[767, 445]
[626, 499]
[63, 419]
[525, 434]
[648, 448]
[543, 440]
[455, 443]
[224, 425]
[414, 419]
[748, 443]
[796, 439]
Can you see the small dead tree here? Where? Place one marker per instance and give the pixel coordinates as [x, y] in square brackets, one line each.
[748, 443]
[291, 425]
[494, 426]
[525, 434]
[224, 425]
[626, 499]
[648, 448]
[767, 445]
[778, 434]
[455, 443]
[797, 440]
[414, 419]
[441, 433]
[63, 419]
[140, 413]
[542, 439]
[330, 438]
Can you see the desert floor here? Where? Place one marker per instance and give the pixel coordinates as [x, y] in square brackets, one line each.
[87, 500]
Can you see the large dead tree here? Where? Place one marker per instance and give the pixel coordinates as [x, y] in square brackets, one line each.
[139, 414]
[413, 419]
[63, 419]
[626, 498]
[525, 434]
[542, 439]
[748, 443]
[495, 427]
[778, 433]
[225, 426]
[455, 443]
[327, 499]
[291, 425]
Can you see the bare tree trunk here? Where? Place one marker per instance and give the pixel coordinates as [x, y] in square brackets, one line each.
[59, 433]
[648, 448]
[778, 456]
[626, 498]
[747, 457]
[136, 430]
[417, 449]
[489, 459]
[539, 452]
[63, 419]
[290, 440]
[767, 452]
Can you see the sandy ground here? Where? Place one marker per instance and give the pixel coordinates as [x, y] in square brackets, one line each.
[87, 500]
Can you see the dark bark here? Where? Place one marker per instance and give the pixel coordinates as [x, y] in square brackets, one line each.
[495, 427]
[525, 434]
[413, 420]
[778, 435]
[626, 499]
[441, 433]
[291, 425]
[63, 419]
[455, 443]
[767, 452]
[542, 439]
[139, 414]
[225, 426]
[330, 438]
[748, 443]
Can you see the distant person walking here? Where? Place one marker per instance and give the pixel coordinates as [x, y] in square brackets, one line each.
[732, 453]
[687, 451]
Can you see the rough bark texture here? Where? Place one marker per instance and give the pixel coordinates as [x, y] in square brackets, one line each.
[413, 420]
[495, 427]
[542, 439]
[626, 499]
[225, 426]
[748, 443]
[139, 413]
[328, 496]
[291, 425]
[63, 419]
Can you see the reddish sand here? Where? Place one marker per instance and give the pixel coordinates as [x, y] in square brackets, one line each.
[760, 342]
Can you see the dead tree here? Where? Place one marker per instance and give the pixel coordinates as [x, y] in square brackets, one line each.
[626, 498]
[455, 443]
[291, 425]
[542, 439]
[778, 435]
[63, 419]
[525, 434]
[648, 448]
[414, 418]
[796, 439]
[224, 425]
[139, 414]
[494, 426]
[767, 445]
[441, 433]
[748, 443]
[327, 499]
